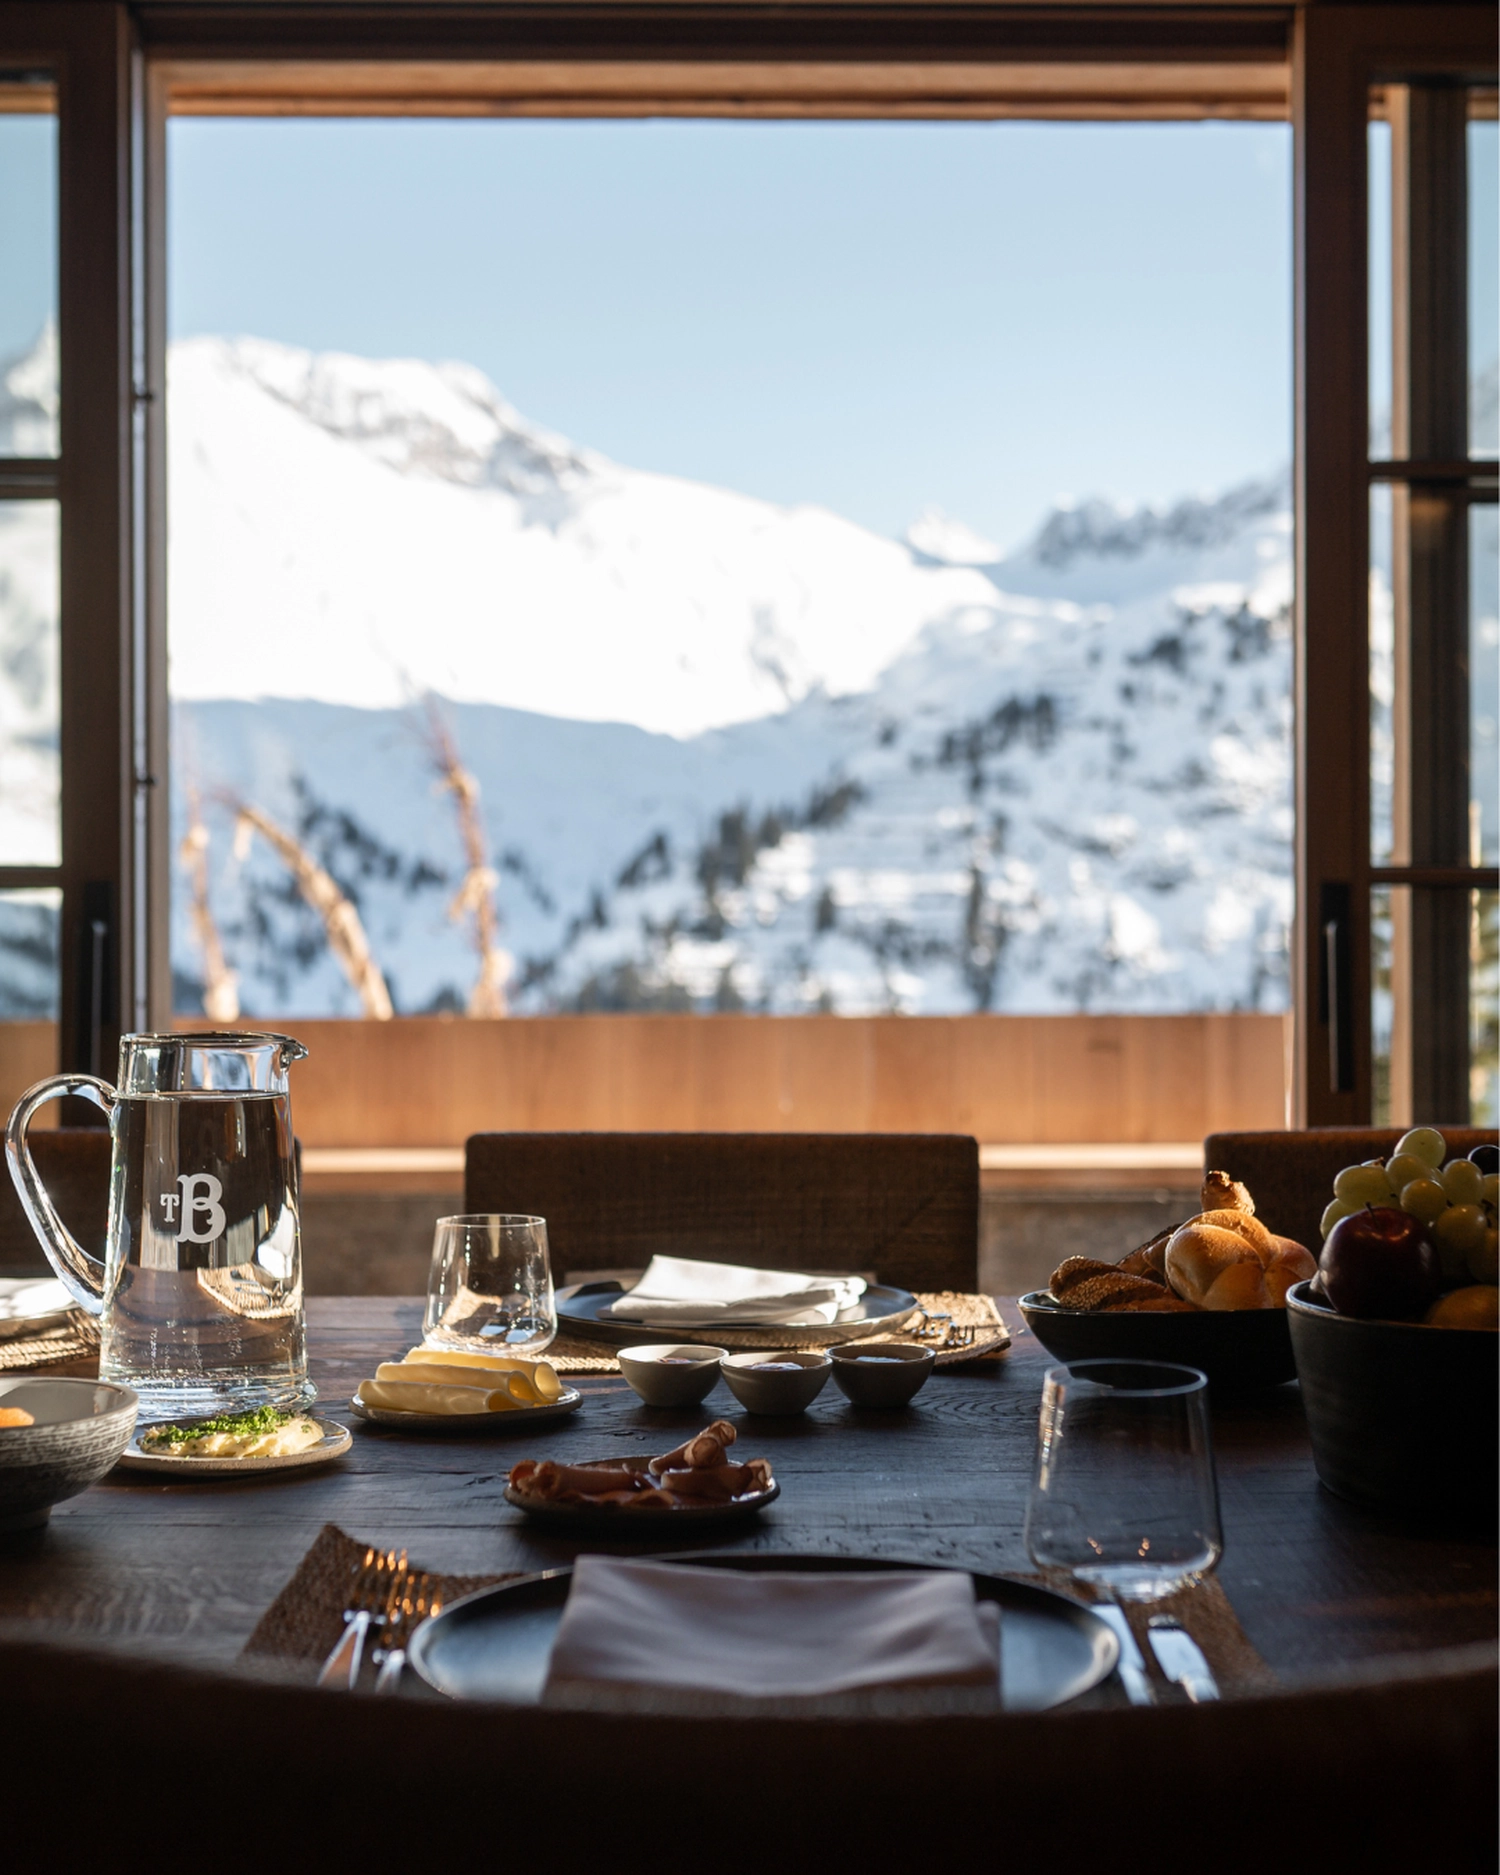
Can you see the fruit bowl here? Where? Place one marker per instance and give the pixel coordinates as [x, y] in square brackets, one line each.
[1402, 1416]
[1240, 1350]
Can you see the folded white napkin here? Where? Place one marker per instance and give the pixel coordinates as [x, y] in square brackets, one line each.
[676, 1292]
[631, 1624]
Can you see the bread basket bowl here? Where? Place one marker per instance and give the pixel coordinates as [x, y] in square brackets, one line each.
[1240, 1350]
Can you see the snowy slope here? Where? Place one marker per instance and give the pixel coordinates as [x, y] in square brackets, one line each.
[730, 755]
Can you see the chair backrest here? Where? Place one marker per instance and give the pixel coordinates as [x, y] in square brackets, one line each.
[904, 1205]
[1290, 1175]
[1385, 1776]
[74, 1165]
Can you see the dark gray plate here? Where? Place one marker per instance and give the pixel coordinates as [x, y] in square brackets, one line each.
[581, 1309]
[603, 1517]
[511, 1420]
[495, 1645]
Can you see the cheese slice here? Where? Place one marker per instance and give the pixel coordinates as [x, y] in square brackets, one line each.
[406, 1397]
[542, 1374]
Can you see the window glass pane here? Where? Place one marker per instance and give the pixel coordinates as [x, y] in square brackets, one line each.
[28, 270]
[29, 955]
[1382, 676]
[29, 801]
[1378, 148]
[1484, 282]
[1484, 683]
[1484, 1011]
[1391, 912]
[823, 632]
[1380, 1006]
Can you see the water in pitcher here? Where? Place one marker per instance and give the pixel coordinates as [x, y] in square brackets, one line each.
[203, 1295]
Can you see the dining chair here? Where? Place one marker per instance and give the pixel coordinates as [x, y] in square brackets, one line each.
[1290, 1175]
[74, 1165]
[142, 1764]
[904, 1206]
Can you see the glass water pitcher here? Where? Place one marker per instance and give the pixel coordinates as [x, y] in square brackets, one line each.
[200, 1292]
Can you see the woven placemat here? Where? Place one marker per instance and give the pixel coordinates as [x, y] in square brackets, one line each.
[301, 1627]
[75, 1340]
[574, 1354]
[1208, 1615]
[307, 1617]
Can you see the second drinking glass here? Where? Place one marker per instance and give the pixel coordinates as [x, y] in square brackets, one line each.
[490, 1286]
[1124, 1496]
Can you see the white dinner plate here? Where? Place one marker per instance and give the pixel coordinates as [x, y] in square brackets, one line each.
[30, 1305]
[336, 1441]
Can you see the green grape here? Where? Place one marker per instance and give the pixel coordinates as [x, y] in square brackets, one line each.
[1461, 1225]
[1424, 1198]
[1403, 1167]
[1484, 1263]
[1489, 1191]
[1463, 1181]
[1363, 1184]
[1425, 1143]
[1335, 1211]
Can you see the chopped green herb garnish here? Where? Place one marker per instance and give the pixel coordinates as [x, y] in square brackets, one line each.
[238, 1425]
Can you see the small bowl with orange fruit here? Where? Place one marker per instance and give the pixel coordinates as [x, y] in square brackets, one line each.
[57, 1437]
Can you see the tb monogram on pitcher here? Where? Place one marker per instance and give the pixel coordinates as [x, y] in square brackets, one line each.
[201, 1191]
[200, 1293]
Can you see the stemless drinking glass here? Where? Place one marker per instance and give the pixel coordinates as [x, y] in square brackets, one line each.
[1124, 1495]
[490, 1286]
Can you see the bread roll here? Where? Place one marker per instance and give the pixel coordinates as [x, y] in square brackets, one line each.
[1229, 1260]
[1223, 1193]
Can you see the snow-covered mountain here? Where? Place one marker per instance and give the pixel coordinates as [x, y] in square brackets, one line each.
[730, 754]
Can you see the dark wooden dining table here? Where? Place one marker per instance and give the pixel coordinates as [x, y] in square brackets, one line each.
[188, 1568]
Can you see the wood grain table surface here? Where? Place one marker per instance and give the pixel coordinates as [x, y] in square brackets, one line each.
[187, 1569]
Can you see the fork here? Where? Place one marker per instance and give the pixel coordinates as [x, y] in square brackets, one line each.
[368, 1593]
[405, 1613]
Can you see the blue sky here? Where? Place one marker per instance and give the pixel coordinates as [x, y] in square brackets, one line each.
[876, 317]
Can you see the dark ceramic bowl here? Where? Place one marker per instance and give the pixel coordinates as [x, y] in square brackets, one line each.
[82, 1427]
[882, 1373]
[1240, 1350]
[1401, 1415]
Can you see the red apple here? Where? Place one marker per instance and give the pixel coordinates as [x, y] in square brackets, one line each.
[1380, 1264]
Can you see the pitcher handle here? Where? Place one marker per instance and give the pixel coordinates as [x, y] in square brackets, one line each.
[81, 1274]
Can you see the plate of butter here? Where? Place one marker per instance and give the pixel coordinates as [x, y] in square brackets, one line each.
[451, 1390]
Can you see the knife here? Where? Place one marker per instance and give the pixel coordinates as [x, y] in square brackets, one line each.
[1131, 1666]
[1180, 1658]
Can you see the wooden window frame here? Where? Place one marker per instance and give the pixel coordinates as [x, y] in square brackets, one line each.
[121, 69]
[1341, 53]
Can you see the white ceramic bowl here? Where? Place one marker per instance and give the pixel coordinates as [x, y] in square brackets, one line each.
[793, 1382]
[666, 1374]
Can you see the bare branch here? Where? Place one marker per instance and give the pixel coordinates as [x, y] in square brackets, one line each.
[475, 897]
[346, 935]
[221, 995]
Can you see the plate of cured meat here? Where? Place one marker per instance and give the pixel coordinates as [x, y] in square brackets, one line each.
[696, 1482]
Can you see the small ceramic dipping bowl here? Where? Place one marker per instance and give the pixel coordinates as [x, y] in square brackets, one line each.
[664, 1374]
[885, 1373]
[787, 1380]
[81, 1427]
